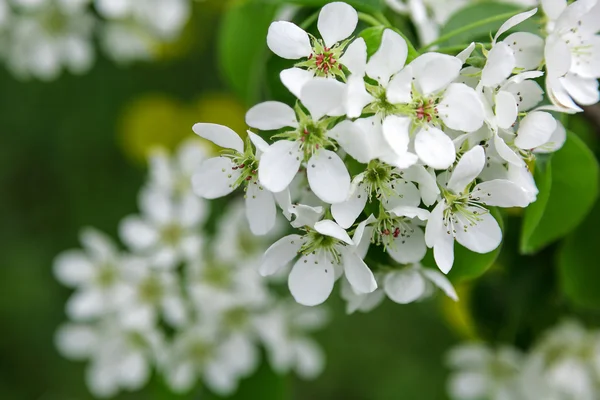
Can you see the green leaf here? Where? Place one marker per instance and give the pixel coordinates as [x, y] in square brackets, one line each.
[366, 5]
[467, 264]
[568, 190]
[477, 12]
[373, 35]
[242, 46]
[578, 267]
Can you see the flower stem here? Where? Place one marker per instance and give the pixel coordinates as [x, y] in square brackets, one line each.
[383, 19]
[469, 27]
[369, 19]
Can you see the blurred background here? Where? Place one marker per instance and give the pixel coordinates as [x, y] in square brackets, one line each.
[72, 154]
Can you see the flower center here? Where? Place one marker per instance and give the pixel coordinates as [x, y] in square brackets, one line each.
[150, 290]
[216, 276]
[325, 61]
[171, 234]
[106, 276]
[390, 228]
[378, 179]
[316, 242]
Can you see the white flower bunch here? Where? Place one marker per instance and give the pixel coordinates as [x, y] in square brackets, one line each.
[189, 306]
[384, 156]
[562, 365]
[41, 38]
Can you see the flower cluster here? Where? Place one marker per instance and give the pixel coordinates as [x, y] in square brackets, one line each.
[387, 155]
[189, 306]
[562, 365]
[40, 38]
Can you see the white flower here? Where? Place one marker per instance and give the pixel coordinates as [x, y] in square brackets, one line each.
[95, 273]
[126, 43]
[151, 294]
[200, 351]
[337, 21]
[483, 373]
[167, 231]
[461, 213]
[239, 165]
[414, 283]
[325, 251]
[572, 53]
[363, 302]
[307, 142]
[119, 358]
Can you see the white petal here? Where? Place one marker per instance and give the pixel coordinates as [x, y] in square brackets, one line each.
[409, 247]
[553, 8]
[137, 234]
[389, 58]
[461, 109]
[73, 268]
[468, 168]
[559, 97]
[514, 21]
[558, 56]
[396, 133]
[86, 304]
[310, 360]
[220, 135]
[405, 194]
[355, 57]
[500, 64]
[260, 209]
[501, 193]
[357, 272]
[353, 140]
[404, 286]
[528, 49]
[279, 165]
[294, 79]
[321, 96]
[482, 237]
[336, 22]
[215, 178]
[427, 183]
[357, 97]
[305, 215]
[527, 93]
[347, 212]
[435, 148]
[311, 279]
[271, 115]
[535, 130]
[259, 143]
[76, 342]
[411, 212]
[506, 109]
[280, 253]
[329, 228]
[328, 177]
[434, 71]
[441, 282]
[443, 252]
[506, 152]
[287, 40]
[99, 245]
[556, 141]
[466, 53]
[157, 205]
[399, 89]
[435, 224]
[583, 90]
[134, 371]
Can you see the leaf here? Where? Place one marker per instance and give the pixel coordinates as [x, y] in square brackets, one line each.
[242, 46]
[577, 261]
[467, 264]
[476, 12]
[366, 5]
[566, 200]
[373, 35]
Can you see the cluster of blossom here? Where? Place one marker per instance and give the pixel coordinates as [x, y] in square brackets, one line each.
[385, 156]
[563, 365]
[190, 308]
[40, 38]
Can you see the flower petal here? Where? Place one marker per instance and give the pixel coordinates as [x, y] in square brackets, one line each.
[322, 96]
[73, 268]
[409, 247]
[527, 93]
[259, 143]
[353, 140]
[441, 282]
[500, 64]
[346, 213]
[528, 49]
[389, 58]
[215, 178]
[404, 286]
[396, 133]
[435, 148]
[506, 109]
[399, 89]
[556, 141]
[506, 152]
[271, 115]
[583, 90]
[220, 135]
[434, 71]
[279, 165]
[357, 272]
[328, 177]
[329, 228]
[295, 78]
[558, 56]
[280, 253]
[514, 21]
[468, 168]
[355, 57]
[501, 193]
[260, 209]
[535, 130]
[137, 233]
[443, 252]
[357, 97]
[435, 224]
[481, 237]
[404, 194]
[288, 40]
[311, 279]
[461, 109]
[337, 21]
